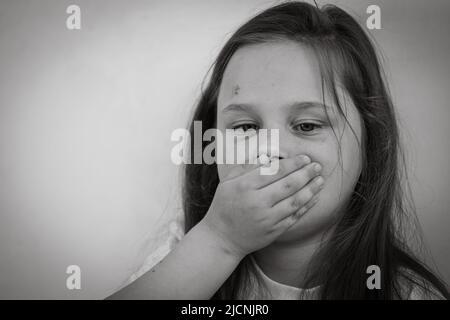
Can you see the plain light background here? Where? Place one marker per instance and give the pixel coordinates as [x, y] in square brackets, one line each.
[86, 118]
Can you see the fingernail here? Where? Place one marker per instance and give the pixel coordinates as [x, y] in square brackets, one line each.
[306, 159]
[317, 167]
[320, 181]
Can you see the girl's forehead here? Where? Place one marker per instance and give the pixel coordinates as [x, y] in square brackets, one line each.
[270, 76]
[271, 73]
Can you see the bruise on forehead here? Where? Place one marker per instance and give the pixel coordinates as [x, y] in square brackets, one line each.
[236, 89]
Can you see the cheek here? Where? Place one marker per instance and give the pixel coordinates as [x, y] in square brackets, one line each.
[341, 176]
[342, 170]
[342, 167]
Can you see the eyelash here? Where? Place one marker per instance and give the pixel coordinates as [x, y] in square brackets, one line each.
[236, 127]
[313, 124]
[255, 126]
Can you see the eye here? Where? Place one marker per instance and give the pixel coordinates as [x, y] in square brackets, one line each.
[244, 127]
[306, 126]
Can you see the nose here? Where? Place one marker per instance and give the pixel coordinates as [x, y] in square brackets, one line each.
[273, 147]
[281, 144]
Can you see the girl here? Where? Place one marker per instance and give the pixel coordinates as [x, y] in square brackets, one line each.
[335, 209]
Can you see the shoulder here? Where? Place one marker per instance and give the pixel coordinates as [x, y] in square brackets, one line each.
[412, 286]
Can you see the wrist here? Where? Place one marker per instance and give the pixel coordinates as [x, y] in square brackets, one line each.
[217, 239]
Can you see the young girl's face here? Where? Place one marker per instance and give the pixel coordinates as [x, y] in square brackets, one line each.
[277, 85]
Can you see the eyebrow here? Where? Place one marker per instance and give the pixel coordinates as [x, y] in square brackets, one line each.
[295, 106]
[239, 107]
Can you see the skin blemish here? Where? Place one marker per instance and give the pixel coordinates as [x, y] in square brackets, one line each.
[236, 90]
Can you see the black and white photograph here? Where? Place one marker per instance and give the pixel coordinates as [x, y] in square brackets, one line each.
[224, 150]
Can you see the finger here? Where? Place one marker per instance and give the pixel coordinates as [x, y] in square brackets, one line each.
[286, 166]
[241, 170]
[290, 220]
[291, 183]
[294, 203]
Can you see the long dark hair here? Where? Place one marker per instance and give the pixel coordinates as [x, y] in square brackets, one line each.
[371, 232]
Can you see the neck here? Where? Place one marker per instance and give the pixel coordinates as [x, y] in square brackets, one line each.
[288, 262]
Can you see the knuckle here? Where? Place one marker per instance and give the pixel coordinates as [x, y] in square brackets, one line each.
[291, 220]
[309, 205]
[306, 196]
[272, 229]
[266, 223]
[295, 203]
[302, 211]
[286, 185]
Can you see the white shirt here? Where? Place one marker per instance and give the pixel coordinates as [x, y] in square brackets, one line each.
[276, 290]
[280, 291]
